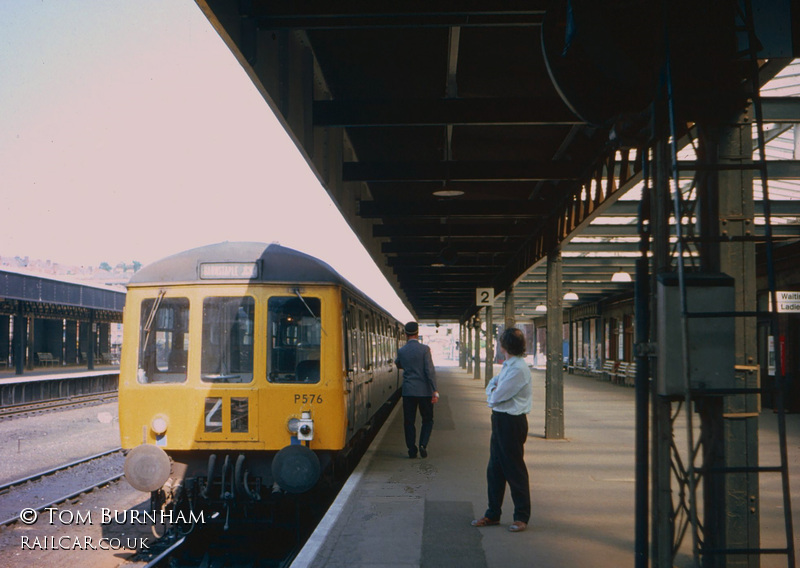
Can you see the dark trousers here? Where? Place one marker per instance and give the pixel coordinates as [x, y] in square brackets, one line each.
[507, 465]
[410, 404]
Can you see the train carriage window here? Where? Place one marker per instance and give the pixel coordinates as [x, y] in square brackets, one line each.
[227, 351]
[294, 338]
[163, 340]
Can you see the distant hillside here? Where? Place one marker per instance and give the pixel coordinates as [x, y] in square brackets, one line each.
[102, 274]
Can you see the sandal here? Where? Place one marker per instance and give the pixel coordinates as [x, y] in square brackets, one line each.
[484, 522]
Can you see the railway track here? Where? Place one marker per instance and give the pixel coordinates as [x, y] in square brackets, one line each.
[74, 479]
[260, 544]
[19, 410]
[165, 555]
[265, 541]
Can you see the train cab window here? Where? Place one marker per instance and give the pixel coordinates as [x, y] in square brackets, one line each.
[163, 340]
[295, 334]
[227, 349]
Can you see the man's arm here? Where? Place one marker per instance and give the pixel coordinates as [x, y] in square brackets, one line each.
[508, 387]
[430, 370]
[397, 359]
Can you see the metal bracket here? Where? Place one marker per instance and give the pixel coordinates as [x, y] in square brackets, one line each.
[647, 349]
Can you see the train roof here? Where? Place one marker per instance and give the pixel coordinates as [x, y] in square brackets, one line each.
[237, 261]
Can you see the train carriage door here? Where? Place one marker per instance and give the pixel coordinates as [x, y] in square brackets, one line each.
[362, 377]
[371, 370]
[351, 362]
[377, 392]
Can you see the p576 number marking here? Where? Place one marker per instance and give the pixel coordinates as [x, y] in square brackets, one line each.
[308, 398]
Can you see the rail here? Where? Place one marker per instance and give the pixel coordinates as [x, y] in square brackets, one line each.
[17, 410]
[6, 488]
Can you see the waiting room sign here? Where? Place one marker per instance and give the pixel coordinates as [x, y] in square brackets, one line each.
[788, 302]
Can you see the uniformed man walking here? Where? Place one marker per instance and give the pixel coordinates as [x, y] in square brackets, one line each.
[419, 389]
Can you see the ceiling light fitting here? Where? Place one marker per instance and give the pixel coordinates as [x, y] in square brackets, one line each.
[621, 276]
[447, 191]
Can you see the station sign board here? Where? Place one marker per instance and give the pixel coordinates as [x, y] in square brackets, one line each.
[788, 302]
[484, 296]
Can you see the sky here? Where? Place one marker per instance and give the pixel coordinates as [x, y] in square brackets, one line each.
[129, 132]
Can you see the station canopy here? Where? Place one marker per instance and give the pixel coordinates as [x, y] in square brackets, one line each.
[462, 141]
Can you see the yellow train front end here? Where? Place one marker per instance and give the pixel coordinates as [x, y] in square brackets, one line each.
[230, 387]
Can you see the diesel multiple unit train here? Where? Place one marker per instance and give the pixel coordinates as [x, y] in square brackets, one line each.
[246, 370]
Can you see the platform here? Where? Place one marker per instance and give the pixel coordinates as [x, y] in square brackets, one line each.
[55, 373]
[398, 512]
[401, 512]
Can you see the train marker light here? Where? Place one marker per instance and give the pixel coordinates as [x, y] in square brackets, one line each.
[159, 424]
[303, 427]
[305, 430]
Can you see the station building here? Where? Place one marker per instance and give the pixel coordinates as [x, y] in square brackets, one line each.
[53, 322]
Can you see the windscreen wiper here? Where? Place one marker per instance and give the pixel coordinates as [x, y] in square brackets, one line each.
[315, 316]
[148, 325]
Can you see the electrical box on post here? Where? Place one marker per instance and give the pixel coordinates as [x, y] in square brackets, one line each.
[710, 340]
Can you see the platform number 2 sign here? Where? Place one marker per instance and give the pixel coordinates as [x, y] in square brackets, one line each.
[484, 296]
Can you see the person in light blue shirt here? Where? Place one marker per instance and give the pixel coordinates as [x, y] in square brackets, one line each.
[509, 395]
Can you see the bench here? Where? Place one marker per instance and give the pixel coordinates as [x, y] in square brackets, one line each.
[630, 375]
[618, 376]
[584, 366]
[579, 366]
[46, 358]
[606, 371]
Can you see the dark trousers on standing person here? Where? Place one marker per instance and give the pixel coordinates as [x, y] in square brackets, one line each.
[507, 465]
[410, 404]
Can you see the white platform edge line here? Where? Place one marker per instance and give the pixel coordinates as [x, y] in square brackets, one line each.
[314, 543]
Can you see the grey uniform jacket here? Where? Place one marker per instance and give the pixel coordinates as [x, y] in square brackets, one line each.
[419, 375]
